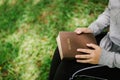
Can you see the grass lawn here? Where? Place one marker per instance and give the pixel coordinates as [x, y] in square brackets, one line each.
[28, 29]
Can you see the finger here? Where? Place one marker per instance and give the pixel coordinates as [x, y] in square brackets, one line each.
[94, 46]
[78, 31]
[85, 50]
[86, 56]
[86, 30]
[83, 30]
[84, 61]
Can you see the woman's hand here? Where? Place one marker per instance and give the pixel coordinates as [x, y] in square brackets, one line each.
[83, 30]
[92, 56]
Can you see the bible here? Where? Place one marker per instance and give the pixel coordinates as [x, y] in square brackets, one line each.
[69, 42]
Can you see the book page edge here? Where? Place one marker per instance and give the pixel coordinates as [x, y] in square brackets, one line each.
[59, 46]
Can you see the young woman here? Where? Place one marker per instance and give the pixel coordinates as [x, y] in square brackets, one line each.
[104, 61]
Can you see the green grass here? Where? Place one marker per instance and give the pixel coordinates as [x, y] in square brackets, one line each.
[28, 29]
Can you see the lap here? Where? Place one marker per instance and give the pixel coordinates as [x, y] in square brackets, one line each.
[70, 69]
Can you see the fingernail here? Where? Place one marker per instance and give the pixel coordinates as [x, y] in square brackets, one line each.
[75, 56]
[78, 32]
[78, 49]
[77, 61]
[88, 44]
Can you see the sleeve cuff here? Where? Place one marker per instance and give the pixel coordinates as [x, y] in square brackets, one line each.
[93, 26]
[107, 58]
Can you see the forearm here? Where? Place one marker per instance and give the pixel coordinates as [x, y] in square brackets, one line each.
[110, 59]
[102, 21]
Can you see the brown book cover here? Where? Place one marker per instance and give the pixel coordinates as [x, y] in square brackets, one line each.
[69, 42]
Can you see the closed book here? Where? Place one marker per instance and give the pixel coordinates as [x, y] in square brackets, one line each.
[69, 42]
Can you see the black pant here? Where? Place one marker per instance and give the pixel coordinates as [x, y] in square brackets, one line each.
[69, 69]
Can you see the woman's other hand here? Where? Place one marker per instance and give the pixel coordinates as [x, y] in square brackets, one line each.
[83, 30]
[91, 56]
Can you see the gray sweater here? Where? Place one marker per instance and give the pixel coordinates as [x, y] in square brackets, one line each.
[110, 44]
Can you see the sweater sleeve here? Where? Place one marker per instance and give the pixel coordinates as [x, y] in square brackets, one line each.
[102, 21]
[110, 59]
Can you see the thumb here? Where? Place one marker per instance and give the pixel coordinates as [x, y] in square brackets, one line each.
[94, 46]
